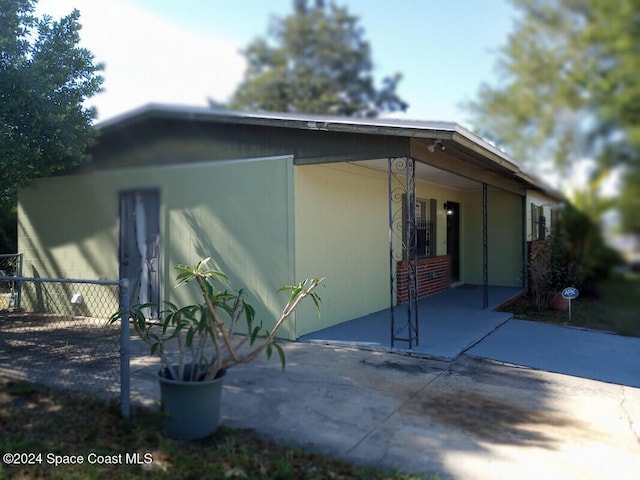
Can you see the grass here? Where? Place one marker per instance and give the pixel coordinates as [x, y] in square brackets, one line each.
[64, 426]
[616, 308]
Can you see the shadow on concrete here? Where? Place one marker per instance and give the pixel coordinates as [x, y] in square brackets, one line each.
[391, 410]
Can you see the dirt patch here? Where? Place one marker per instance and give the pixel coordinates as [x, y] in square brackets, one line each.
[81, 353]
[492, 373]
[487, 418]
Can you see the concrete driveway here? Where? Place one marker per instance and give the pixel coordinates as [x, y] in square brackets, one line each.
[468, 418]
[515, 400]
[572, 351]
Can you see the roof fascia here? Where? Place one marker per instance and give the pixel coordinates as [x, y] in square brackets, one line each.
[386, 126]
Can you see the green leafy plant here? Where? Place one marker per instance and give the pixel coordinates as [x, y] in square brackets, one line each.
[574, 254]
[549, 270]
[204, 334]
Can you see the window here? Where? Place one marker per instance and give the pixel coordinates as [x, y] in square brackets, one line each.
[425, 227]
[538, 223]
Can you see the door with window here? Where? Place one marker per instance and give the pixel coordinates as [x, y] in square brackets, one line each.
[140, 246]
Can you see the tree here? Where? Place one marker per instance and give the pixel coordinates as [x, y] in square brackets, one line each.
[44, 79]
[318, 62]
[569, 89]
[535, 112]
[629, 202]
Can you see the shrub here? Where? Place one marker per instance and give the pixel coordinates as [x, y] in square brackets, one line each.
[574, 254]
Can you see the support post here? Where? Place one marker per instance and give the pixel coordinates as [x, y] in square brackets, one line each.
[525, 250]
[392, 262]
[125, 377]
[485, 249]
[403, 246]
[18, 299]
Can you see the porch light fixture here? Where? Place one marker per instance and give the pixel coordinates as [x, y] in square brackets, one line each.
[436, 144]
[447, 210]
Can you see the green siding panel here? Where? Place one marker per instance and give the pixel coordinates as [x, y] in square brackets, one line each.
[239, 213]
[504, 233]
[341, 215]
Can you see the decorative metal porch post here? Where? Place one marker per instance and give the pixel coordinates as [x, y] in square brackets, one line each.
[403, 250]
[525, 250]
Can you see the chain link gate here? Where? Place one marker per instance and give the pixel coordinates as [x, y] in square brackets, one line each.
[10, 266]
[60, 336]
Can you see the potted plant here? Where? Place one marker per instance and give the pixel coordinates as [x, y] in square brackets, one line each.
[203, 337]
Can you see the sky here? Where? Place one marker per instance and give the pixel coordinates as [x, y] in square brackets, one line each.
[187, 51]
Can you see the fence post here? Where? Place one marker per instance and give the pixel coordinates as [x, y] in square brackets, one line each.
[124, 349]
[18, 273]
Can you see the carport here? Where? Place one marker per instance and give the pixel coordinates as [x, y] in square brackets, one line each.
[445, 156]
[413, 277]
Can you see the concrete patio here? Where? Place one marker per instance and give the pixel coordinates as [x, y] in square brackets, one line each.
[453, 323]
[449, 323]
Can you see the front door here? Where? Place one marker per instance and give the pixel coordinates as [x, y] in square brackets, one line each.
[140, 245]
[453, 239]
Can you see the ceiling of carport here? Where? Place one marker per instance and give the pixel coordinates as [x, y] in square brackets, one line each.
[429, 174]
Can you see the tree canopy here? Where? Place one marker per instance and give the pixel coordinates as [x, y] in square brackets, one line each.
[44, 79]
[317, 62]
[569, 88]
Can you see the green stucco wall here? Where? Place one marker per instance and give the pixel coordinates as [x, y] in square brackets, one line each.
[66, 230]
[239, 213]
[504, 233]
[341, 213]
[266, 223]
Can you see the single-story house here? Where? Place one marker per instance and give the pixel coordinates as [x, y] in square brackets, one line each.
[275, 198]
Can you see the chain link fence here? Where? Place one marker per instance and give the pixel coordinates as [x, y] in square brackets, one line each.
[10, 266]
[58, 334]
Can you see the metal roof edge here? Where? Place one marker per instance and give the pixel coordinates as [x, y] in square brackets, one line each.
[543, 186]
[503, 158]
[372, 126]
[388, 126]
[508, 162]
